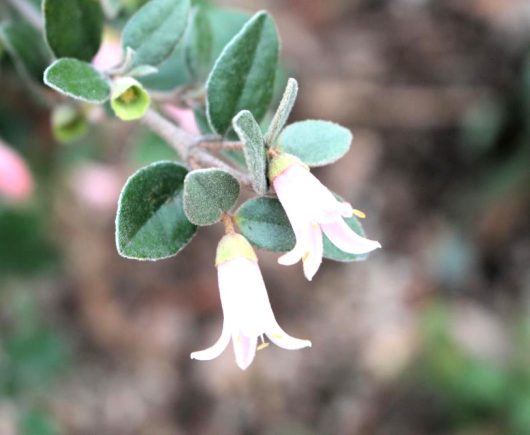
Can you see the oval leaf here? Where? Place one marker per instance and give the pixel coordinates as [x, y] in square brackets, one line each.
[283, 112]
[73, 27]
[27, 48]
[249, 132]
[78, 80]
[316, 143]
[264, 223]
[199, 44]
[243, 75]
[151, 224]
[154, 31]
[208, 193]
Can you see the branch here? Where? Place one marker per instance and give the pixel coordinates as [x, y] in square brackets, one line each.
[186, 145]
[29, 12]
[173, 135]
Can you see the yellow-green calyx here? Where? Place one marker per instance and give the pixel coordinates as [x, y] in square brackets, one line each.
[129, 99]
[281, 162]
[234, 246]
[68, 123]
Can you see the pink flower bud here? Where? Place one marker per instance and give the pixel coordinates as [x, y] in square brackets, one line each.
[16, 181]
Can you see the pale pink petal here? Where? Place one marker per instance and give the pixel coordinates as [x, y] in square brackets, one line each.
[244, 349]
[110, 52]
[280, 338]
[313, 257]
[345, 209]
[344, 238]
[244, 296]
[292, 257]
[215, 350]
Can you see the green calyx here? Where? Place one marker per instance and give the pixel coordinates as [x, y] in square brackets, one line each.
[234, 246]
[68, 123]
[281, 162]
[129, 99]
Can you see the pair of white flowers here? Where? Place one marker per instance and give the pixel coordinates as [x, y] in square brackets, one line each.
[312, 210]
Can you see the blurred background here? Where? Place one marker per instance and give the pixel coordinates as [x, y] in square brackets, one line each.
[431, 335]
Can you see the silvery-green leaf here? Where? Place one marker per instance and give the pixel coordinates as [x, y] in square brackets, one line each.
[77, 79]
[315, 142]
[154, 31]
[249, 132]
[243, 75]
[283, 112]
[199, 44]
[208, 193]
[150, 223]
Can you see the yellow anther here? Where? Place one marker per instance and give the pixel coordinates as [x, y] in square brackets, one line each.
[277, 336]
[306, 255]
[129, 95]
[359, 213]
[262, 346]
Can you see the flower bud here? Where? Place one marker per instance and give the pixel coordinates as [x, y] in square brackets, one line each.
[129, 99]
[68, 123]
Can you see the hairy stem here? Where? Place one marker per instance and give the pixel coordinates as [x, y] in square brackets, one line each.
[188, 145]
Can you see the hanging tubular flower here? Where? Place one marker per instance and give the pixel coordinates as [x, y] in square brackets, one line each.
[247, 310]
[313, 209]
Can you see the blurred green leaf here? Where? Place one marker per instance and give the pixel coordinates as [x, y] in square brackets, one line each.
[78, 80]
[151, 223]
[208, 193]
[315, 142]
[27, 48]
[24, 247]
[74, 27]
[243, 76]
[155, 30]
[249, 133]
[35, 422]
[149, 148]
[199, 45]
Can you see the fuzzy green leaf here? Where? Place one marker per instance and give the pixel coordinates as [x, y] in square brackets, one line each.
[73, 27]
[155, 30]
[208, 193]
[27, 48]
[316, 143]
[283, 112]
[264, 223]
[199, 44]
[78, 80]
[243, 75]
[151, 224]
[249, 132]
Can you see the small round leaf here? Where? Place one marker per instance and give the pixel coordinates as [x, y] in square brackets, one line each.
[208, 193]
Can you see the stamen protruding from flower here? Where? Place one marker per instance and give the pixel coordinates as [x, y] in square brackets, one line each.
[360, 214]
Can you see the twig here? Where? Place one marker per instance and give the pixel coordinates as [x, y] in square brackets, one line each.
[29, 12]
[186, 145]
[219, 145]
[173, 135]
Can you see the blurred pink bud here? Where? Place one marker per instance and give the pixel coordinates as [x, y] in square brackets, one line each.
[246, 307]
[110, 52]
[16, 181]
[98, 186]
[184, 117]
[313, 209]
